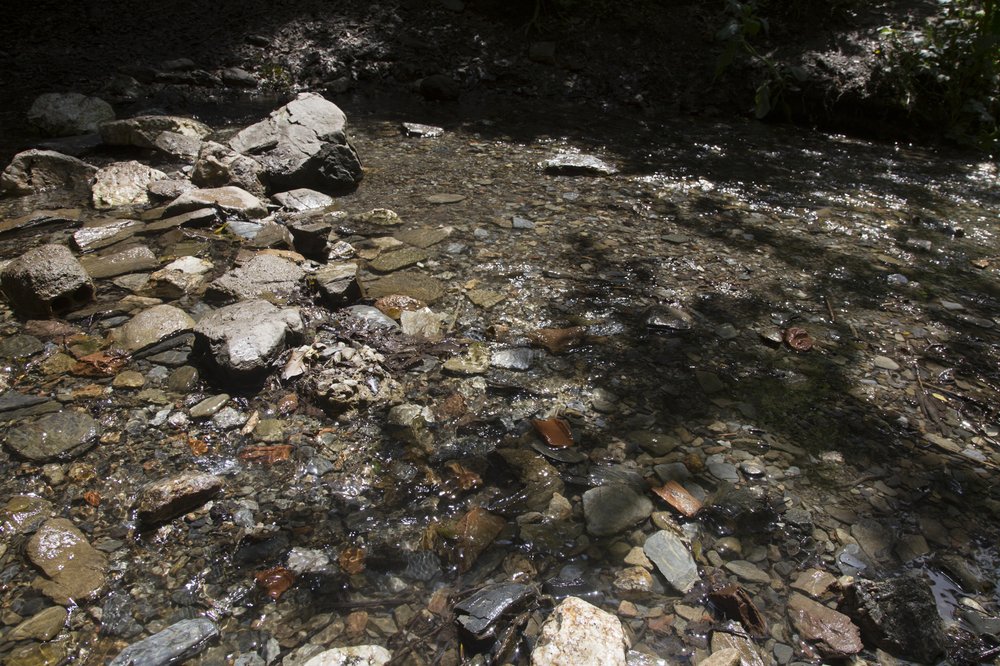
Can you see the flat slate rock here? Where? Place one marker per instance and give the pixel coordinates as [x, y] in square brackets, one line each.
[54, 436]
[408, 283]
[483, 608]
[614, 508]
[173, 645]
[168, 498]
[575, 164]
[674, 560]
[74, 569]
[130, 260]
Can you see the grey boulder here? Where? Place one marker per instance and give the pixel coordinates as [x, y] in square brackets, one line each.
[45, 281]
[263, 274]
[68, 114]
[219, 165]
[142, 131]
[242, 340]
[303, 144]
[123, 184]
[230, 199]
[34, 171]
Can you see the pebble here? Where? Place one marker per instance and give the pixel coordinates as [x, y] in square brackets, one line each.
[748, 571]
[209, 406]
[886, 363]
[673, 559]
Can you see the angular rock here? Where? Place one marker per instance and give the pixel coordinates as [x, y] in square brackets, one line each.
[34, 171]
[746, 651]
[177, 145]
[68, 114]
[242, 340]
[397, 259]
[422, 323]
[169, 189]
[219, 165]
[45, 281]
[54, 436]
[832, 633]
[142, 131]
[230, 199]
[153, 326]
[614, 508]
[263, 274]
[723, 657]
[43, 626]
[123, 184]
[899, 615]
[423, 131]
[303, 199]
[173, 645]
[338, 283]
[813, 582]
[481, 610]
[179, 277]
[130, 260]
[416, 285]
[673, 558]
[357, 655]
[303, 144]
[162, 500]
[75, 571]
[579, 633]
[23, 514]
[20, 346]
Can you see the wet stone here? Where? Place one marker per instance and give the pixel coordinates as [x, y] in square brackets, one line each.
[230, 199]
[61, 435]
[900, 616]
[397, 259]
[481, 610]
[748, 572]
[45, 281]
[423, 131]
[423, 237]
[107, 233]
[656, 443]
[416, 285]
[173, 645]
[263, 274]
[614, 508]
[162, 500]
[723, 657]
[358, 655]
[24, 513]
[38, 654]
[43, 626]
[131, 260]
[833, 633]
[475, 361]
[130, 379]
[673, 559]
[747, 653]
[484, 298]
[886, 363]
[422, 323]
[153, 326]
[209, 406]
[513, 359]
[813, 582]
[74, 570]
[243, 339]
[574, 164]
[19, 346]
[337, 283]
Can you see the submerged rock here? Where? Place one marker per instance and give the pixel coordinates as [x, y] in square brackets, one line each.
[674, 560]
[54, 436]
[242, 340]
[575, 164]
[357, 655]
[68, 114]
[303, 144]
[614, 508]
[46, 281]
[173, 645]
[899, 615]
[75, 570]
[580, 633]
[832, 633]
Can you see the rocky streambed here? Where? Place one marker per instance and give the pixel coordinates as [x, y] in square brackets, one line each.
[563, 390]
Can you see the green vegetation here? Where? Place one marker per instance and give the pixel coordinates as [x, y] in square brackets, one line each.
[947, 74]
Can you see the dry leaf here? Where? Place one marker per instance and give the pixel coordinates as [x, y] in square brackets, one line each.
[798, 339]
[676, 496]
[394, 305]
[734, 602]
[465, 478]
[199, 447]
[92, 497]
[555, 432]
[352, 560]
[558, 340]
[100, 364]
[267, 454]
[276, 581]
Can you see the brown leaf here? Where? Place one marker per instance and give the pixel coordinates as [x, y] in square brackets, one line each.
[352, 560]
[394, 305]
[680, 499]
[557, 340]
[980, 263]
[199, 447]
[450, 408]
[267, 454]
[465, 478]
[734, 603]
[275, 581]
[798, 339]
[555, 432]
[100, 364]
[356, 623]
[92, 497]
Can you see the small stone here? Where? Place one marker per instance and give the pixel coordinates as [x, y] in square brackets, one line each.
[75, 571]
[358, 655]
[886, 363]
[637, 557]
[614, 508]
[748, 572]
[153, 326]
[129, 379]
[813, 582]
[422, 323]
[20, 347]
[475, 361]
[723, 657]
[513, 359]
[424, 131]
[55, 436]
[484, 298]
[173, 645]
[388, 262]
[634, 579]
[444, 198]
[43, 626]
[833, 633]
[209, 406]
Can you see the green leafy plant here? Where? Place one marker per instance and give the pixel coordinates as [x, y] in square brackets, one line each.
[947, 73]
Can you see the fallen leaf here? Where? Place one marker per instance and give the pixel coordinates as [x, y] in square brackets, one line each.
[92, 497]
[352, 560]
[267, 454]
[680, 499]
[199, 447]
[555, 432]
[100, 364]
[734, 603]
[466, 478]
[394, 305]
[557, 340]
[275, 581]
[798, 339]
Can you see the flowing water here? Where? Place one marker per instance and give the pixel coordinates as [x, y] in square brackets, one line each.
[671, 286]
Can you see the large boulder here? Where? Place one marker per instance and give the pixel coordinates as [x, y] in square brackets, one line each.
[69, 114]
[218, 165]
[142, 131]
[46, 281]
[898, 615]
[303, 144]
[263, 275]
[242, 340]
[34, 171]
[230, 199]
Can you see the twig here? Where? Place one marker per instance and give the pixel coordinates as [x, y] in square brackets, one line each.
[829, 308]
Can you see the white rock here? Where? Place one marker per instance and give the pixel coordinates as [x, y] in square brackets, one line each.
[359, 655]
[579, 633]
[123, 184]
